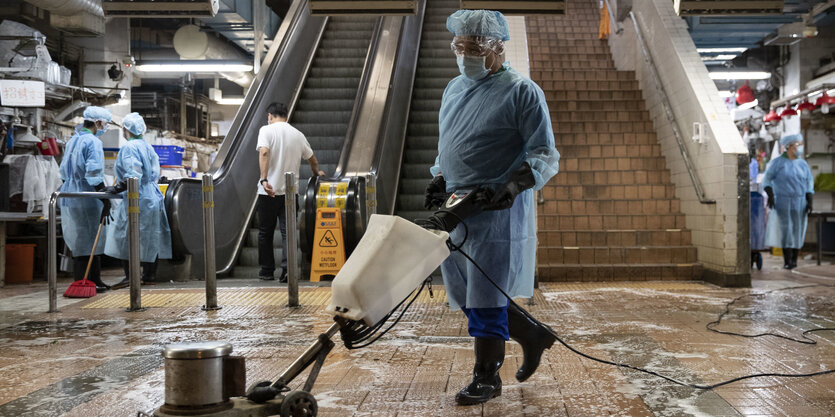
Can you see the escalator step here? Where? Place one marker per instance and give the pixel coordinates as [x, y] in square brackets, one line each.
[325, 143]
[414, 141]
[335, 130]
[422, 157]
[333, 116]
[252, 238]
[330, 93]
[307, 104]
[338, 72]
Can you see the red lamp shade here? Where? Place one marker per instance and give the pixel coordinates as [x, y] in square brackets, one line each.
[788, 111]
[825, 99]
[744, 94]
[772, 117]
[805, 105]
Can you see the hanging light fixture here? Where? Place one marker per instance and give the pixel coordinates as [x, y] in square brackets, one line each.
[824, 102]
[788, 111]
[744, 94]
[805, 106]
[772, 117]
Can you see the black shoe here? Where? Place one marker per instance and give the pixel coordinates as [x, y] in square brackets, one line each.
[786, 258]
[793, 259]
[486, 384]
[534, 337]
[283, 278]
[102, 288]
[121, 284]
[266, 277]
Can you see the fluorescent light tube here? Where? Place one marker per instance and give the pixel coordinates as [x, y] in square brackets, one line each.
[719, 50]
[739, 75]
[231, 101]
[194, 66]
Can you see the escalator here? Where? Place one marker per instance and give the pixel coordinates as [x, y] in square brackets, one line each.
[322, 113]
[435, 67]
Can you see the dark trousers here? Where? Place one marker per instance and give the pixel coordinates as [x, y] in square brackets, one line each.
[271, 211]
[149, 270]
[490, 323]
[79, 266]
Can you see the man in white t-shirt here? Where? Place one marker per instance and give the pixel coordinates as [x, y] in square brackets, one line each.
[281, 148]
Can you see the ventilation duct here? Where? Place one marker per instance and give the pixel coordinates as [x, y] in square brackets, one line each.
[362, 7]
[76, 17]
[520, 7]
[161, 9]
[728, 7]
[192, 43]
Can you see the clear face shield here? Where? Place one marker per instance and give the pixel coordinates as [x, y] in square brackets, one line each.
[476, 46]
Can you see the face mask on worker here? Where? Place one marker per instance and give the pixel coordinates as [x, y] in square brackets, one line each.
[472, 67]
[100, 131]
[799, 151]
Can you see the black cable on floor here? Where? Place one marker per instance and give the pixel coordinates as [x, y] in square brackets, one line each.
[805, 341]
[458, 247]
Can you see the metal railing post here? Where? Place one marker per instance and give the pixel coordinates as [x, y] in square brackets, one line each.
[291, 226]
[52, 263]
[370, 195]
[133, 236]
[209, 266]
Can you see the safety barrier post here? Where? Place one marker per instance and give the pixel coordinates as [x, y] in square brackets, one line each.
[133, 239]
[291, 226]
[209, 243]
[52, 261]
[370, 194]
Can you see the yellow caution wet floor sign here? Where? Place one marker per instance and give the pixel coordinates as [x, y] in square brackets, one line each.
[329, 246]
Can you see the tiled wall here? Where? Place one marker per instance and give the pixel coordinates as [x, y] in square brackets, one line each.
[516, 49]
[718, 230]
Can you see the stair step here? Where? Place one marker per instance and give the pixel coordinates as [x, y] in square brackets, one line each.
[595, 75]
[559, 115]
[605, 139]
[607, 192]
[608, 151]
[572, 255]
[546, 221]
[576, 95]
[618, 272]
[615, 237]
[624, 163]
[587, 85]
[593, 207]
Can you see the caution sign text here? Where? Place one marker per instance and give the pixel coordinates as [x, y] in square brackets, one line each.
[329, 246]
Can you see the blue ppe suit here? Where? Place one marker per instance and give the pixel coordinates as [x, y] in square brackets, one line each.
[137, 159]
[487, 129]
[82, 168]
[790, 180]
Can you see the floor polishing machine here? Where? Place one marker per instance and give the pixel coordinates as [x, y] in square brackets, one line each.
[203, 379]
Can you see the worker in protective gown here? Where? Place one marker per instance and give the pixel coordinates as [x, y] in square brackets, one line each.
[82, 170]
[137, 159]
[495, 133]
[789, 186]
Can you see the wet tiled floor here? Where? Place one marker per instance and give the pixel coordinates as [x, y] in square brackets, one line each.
[95, 359]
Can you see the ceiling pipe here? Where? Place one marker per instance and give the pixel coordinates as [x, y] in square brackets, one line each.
[192, 43]
[69, 7]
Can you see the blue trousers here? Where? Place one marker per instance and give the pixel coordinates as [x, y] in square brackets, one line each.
[490, 323]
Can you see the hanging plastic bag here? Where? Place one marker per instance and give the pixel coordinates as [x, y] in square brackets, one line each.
[773, 237]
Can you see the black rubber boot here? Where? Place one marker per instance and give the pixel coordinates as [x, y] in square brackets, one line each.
[80, 266]
[534, 337]
[787, 256]
[793, 260]
[486, 384]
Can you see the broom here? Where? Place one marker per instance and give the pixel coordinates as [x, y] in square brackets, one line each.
[85, 288]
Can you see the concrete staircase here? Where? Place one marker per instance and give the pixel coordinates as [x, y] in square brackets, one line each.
[611, 213]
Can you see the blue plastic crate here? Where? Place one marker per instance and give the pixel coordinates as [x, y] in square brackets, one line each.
[169, 155]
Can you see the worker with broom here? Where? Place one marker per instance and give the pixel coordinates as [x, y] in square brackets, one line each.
[82, 170]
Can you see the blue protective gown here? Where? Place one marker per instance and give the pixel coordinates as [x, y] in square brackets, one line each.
[137, 159]
[790, 180]
[82, 168]
[487, 129]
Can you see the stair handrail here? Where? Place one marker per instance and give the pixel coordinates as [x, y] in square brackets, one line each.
[668, 109]
[612, 20]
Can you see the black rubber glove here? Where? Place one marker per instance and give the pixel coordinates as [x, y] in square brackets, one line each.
[770, 193]
[808, 203]
[435, 193]
[122, 186]
[520, 180]
[100, 187]
[106, 217]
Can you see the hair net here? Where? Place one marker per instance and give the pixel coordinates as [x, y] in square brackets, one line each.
[134, 123]
[489, 23]
[789, 139]
[97, 114]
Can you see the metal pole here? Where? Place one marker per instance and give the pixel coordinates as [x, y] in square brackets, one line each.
[133, 233]
[297, 367]
[51, 255]
[370, 195]
[292, 227]
[209, 243]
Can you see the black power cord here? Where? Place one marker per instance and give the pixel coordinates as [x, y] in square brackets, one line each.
[453, 247]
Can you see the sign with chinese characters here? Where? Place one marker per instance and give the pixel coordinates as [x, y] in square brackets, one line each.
[17, 93]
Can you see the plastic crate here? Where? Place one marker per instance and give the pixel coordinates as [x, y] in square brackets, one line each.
[169, 155]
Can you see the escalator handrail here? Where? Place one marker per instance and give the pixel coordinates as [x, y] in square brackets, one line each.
[362, 89]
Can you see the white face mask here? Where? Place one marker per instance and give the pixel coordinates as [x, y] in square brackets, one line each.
[472, 67]
[799, 151]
